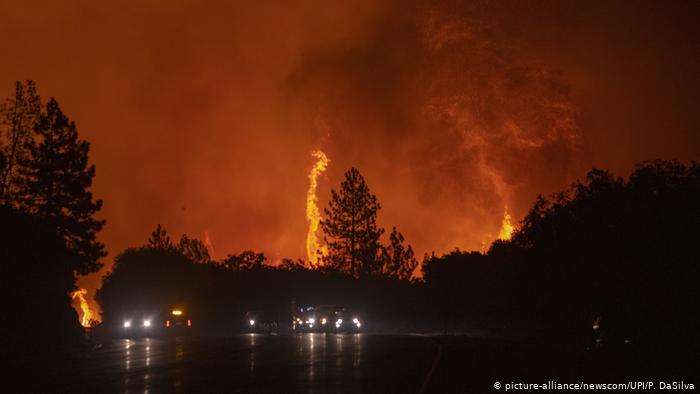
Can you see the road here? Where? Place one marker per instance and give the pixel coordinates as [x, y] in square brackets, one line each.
[303, 363]
[334, 363]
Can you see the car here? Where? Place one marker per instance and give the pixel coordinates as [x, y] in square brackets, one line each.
[347, 321]
[259, 321]
[178, 322]
[303, 319]
[325, 318]
[138, 326]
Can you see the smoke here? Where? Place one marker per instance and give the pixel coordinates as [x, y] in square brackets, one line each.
[447, 121]
[201, 117]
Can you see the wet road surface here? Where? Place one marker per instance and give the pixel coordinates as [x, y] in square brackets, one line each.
[337, 363]
[308, 363]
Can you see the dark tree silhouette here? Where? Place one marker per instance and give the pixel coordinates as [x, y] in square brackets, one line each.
[146, 280]
[246, 260]
[160, 239]
[58, 179]
[399, 261]
[292, 265]
[18, 119]
[194, 249]
[623, 250]
[350, 228]
[36, 274]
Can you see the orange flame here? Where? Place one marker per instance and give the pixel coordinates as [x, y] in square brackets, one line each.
[506, 228]
[313, 216]
[86, 318]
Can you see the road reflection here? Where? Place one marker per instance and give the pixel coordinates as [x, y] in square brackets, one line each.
[357, 350]
[252, 353]
[137, 364]
[179, 364]
[146, 377]
[179, 353]
[327, 356]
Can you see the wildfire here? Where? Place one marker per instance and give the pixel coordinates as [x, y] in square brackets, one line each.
[506, 228]
[84, 307]
[313, 216]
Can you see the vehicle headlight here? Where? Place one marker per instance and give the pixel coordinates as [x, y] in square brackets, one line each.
[323, 321]
[252, 322]
[312, 321]
[339, 322]
[146, 323]
[355, 320]
[127, 324]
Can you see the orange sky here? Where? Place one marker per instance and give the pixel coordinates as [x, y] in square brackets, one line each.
[202, 117]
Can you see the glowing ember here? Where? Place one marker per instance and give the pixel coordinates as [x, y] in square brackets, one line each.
[84, 307]
[506, 228]
[313, 216]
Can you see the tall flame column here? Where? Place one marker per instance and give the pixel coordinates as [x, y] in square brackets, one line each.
[313, 215]
[84, 307]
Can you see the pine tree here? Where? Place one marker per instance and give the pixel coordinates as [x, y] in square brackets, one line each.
[58, 179]
[194, 249]
[350, 228]
[400, 261]
[160, 239]
[18, 119]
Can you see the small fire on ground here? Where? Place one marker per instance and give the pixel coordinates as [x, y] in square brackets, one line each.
[86, 315]
[506, 228]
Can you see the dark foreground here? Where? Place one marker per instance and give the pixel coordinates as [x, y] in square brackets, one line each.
[343, 363]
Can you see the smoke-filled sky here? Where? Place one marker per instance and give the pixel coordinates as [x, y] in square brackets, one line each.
[203, 115]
